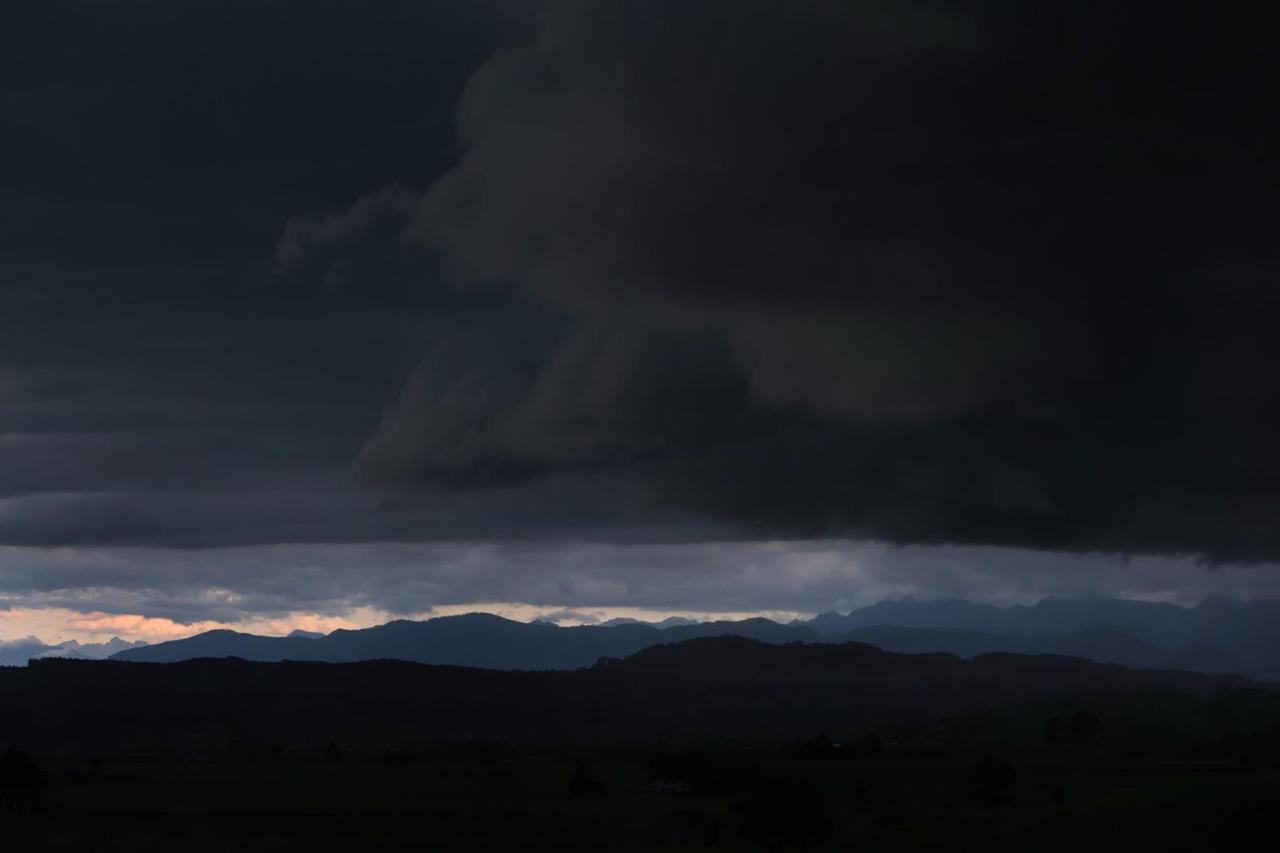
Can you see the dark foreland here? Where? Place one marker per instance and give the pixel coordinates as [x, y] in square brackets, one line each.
[315, 315]
[725, 742]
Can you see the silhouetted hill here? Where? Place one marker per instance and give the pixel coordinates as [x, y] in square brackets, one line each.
[1218, 632]
[696, 689]
[474, 639]
[484, 640]
[1098, 644]
[669, 622]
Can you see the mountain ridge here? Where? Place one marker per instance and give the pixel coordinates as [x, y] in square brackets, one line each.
[1085, 629]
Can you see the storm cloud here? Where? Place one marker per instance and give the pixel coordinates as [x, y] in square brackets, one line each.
[969, 273]
[702, 305]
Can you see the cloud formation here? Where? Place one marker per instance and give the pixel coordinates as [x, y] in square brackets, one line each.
[153, 592]
[420, 305]
[983, 273]
[305, 234]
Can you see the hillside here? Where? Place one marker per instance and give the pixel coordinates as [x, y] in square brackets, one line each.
[688, 691]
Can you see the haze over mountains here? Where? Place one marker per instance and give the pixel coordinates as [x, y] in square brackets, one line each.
[18, 652]
[1216, 636]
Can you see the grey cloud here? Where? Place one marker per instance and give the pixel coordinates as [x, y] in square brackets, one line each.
[326, 507]
[959, 289]
[306, 234]
[606, 395]
[146, 461]
[405, 578]
[152, 366]
[694, 272]
[570, 616]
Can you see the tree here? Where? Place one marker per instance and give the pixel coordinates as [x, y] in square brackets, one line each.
[1085, 726]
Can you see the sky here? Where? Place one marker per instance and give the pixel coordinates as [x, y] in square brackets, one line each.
[319, 315]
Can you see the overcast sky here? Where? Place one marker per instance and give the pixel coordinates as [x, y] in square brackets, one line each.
[317, 314]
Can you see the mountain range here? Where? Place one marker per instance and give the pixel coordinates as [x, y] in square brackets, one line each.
[18, 652]
[1216, 636]
[1246, 632]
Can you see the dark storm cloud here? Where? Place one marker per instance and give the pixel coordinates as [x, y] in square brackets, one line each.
[972, 272]
[305, 234]
[986, 272]
[608, 394]
[162, 381]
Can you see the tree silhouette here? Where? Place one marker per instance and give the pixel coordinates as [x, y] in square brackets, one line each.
[584, 781]
[1080, 727]
[1055, 730]
[1085, 726]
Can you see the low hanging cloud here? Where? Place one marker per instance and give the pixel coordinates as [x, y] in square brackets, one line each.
[157, 593]
[304, 235]
[976, 273]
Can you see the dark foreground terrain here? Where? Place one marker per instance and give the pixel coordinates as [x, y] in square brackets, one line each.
[709, 744]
